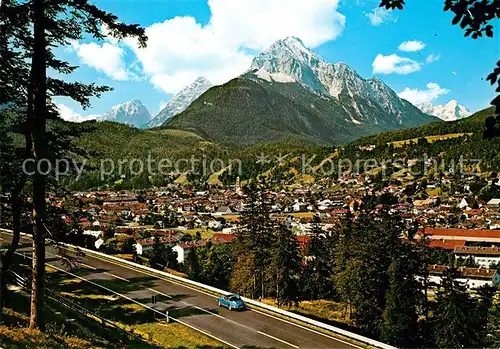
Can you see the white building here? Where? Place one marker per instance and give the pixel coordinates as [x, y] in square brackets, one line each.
[473, 277]
[484, 256]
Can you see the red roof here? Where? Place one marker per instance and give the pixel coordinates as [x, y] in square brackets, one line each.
[463, 232]
[446, 244]
[302, 239]
[224, 237]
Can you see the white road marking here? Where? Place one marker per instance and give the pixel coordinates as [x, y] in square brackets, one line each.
[116, 276]
[188, 304]
[307, 328]
[87, 266]
[211, 295]
[163, 294]
[277, 339]
[208, 311]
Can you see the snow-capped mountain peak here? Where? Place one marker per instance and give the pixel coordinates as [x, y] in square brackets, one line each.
[290, 61]
[133, 113]
[450, 111]
[181, 101]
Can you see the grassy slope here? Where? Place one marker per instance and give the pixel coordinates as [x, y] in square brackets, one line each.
[115, 140]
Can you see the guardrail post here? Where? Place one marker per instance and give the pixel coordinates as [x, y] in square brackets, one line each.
[168, 318]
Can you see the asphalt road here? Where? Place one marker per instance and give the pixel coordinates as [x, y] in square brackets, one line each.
[250, 328]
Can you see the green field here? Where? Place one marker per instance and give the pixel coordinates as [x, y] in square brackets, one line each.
[430, 139]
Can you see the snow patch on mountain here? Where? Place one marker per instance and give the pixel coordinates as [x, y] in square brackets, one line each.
[295, 62]
[450, 111]
[133, 113]
[181, 101]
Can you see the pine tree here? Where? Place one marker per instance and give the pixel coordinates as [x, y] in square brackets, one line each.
[400, 317]
[257, 232]
[286, 266]
[55, 23]
[192, 264]
[319, 265]
[14, 79]
[486, 316]
[162, 255]
[454, 324]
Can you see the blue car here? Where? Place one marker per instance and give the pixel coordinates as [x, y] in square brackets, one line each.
[231, 302]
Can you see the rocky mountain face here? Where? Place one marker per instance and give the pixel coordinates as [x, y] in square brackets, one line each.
[181, 101]
[133, 113]
[289, 60]
[291, 91]
[450, 111]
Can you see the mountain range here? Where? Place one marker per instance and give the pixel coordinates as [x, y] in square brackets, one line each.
[291, 91]
[132, 113]
[450, 111]
[288, 91]
[181, 101]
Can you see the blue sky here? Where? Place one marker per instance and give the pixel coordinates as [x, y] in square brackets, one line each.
[417, 51]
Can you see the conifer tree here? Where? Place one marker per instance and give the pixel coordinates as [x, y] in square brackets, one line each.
[256, 234]
[455, 324]
[51, 23]
[318, 265]
[400, 317]
[286, 266]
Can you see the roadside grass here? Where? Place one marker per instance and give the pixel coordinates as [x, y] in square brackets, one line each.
[169, 335]
[15, 335]
[59, 334]
[322, 309]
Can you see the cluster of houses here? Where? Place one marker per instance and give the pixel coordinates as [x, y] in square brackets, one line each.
[461, 223]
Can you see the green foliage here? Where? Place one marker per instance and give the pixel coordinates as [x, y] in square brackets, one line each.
[449, 155]
[162, 256]
[192, 264]
[256, 234]
[285, 264]
[316, 279]
[455, 321]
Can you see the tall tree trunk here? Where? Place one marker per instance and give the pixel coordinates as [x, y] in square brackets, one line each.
[39, 75]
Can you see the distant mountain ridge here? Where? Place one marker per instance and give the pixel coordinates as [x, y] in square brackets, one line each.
[450, 111]
[289, 90]
[133, 113]
[181, 101]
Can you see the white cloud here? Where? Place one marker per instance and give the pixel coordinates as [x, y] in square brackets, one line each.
[107, 58]
[379, 16]
[395, 64]
[432, 58]
[411, 46]
[416, 96]
[69, 114]
[180, 49]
